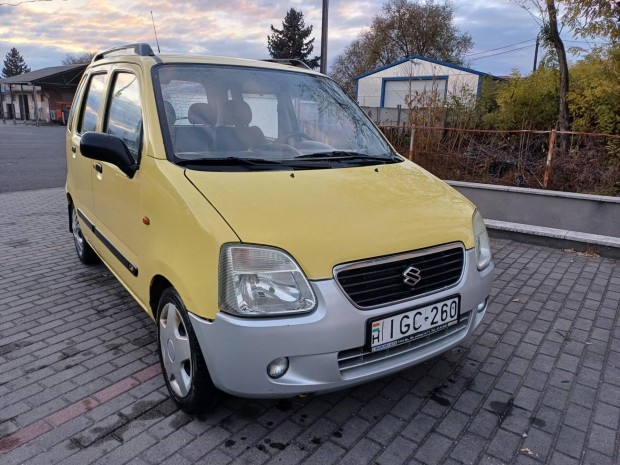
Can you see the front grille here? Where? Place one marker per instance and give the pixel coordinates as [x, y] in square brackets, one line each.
[358, 362]
[381, 281]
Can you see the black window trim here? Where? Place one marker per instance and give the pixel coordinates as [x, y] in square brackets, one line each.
[161, 113]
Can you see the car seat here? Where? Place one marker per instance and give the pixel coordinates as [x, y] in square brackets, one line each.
[235, 132]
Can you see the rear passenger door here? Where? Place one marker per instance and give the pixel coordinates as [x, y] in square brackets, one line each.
[118, 198]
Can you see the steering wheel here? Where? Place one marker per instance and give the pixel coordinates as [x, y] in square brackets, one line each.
[292, 135]
[275, 149]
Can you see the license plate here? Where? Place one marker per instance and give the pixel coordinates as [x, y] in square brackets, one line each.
[413, 324]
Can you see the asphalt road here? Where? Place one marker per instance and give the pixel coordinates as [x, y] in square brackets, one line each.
[31, 157]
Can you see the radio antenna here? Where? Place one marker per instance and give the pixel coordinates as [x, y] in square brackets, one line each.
[156, 39]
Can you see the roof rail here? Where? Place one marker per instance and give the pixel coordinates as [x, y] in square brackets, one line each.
[141, 49]
[289, 61]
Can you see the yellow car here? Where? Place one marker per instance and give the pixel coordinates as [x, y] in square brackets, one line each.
[279, 242]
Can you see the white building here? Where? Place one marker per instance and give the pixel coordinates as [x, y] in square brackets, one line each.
[417, 82]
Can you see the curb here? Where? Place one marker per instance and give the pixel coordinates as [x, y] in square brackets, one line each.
[605, 246]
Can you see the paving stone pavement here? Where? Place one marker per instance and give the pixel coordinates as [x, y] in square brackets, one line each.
[539, 382]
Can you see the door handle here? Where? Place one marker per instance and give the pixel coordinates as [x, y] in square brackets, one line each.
[73, 148]
[98, 167]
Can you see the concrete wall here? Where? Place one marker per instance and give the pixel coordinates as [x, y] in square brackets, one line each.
[590, 214]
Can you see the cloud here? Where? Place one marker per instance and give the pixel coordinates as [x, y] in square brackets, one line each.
[45, 32]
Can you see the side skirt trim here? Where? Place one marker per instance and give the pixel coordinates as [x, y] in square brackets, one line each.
[104, 240]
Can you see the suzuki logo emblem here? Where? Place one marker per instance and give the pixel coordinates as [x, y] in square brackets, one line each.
[412, 276]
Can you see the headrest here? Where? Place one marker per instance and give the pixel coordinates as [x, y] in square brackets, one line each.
[237, 113]
[202, 113]
[171, 115]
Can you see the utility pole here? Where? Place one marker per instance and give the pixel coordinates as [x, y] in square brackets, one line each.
[324, 38]
[536, 52]
[12, 103]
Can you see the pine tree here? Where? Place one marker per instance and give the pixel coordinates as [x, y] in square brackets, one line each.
[14, 64]
[291, 41]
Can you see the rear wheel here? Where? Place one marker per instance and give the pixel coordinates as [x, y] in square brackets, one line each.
[183, 366]
[84, 251]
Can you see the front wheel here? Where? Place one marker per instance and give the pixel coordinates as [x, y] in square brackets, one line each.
[183, 366]
[84, 251]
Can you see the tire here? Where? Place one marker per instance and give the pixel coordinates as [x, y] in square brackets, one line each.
[84, 251]
[182, 364]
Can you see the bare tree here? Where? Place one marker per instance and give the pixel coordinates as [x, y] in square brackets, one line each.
[78, 58]
[552, 34]
[546, 13]
[355, 60]
[423, 28]
[402, 29]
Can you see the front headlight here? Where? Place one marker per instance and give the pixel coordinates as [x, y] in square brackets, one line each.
[483, 246]
[262, 281]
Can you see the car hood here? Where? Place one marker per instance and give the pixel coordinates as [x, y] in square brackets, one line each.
[327, 217]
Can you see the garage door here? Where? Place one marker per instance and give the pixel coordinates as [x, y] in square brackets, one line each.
[396, 91]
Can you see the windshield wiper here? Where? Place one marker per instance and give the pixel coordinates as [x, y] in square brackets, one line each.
[336, 155]
[229, 161]
[255, 163]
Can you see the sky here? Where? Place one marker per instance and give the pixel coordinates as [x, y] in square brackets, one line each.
[44, 31]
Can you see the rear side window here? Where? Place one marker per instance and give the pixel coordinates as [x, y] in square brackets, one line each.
[94, 95]
[125, 112]
[72, 112]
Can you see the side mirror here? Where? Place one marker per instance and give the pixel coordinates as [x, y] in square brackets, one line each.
[108, 148]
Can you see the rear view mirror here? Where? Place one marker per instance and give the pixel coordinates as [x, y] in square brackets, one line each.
[108, 148]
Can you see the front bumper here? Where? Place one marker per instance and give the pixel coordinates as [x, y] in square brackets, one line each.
[325, 347]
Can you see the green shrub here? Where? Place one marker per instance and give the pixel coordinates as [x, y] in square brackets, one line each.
[524, 102]
[594, 98]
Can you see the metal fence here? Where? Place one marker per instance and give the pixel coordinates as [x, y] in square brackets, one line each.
[557, 160]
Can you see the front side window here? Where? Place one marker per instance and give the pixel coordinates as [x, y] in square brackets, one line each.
[94, 96]
[125, 112]
[220, 115]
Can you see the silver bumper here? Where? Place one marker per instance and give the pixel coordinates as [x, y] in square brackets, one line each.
[325, 347]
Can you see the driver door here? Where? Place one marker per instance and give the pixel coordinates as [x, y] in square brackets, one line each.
[117, 197]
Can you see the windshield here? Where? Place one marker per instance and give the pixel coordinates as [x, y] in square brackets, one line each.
[219, 115]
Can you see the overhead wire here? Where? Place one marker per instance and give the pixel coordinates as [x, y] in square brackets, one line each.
[498, 48]
[588, 42]
[501, 53]
[25, 1]
[518, 48]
